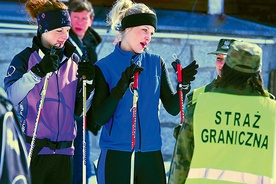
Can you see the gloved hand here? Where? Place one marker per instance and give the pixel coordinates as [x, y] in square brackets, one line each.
[119, 90]
[93, 127]
[189, 72]
[188, 75]
[49, 63]
[86, 69]
[138, 69]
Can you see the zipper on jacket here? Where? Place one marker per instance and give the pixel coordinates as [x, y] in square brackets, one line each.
[58, 96]
[58, 99]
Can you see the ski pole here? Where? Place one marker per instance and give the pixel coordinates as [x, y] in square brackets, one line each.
[84, 58]
[178, 69]
[41, 103]
[179, 87]
[133, 130]
[137, 61]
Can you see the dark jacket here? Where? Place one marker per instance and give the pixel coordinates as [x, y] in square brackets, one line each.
[90, 41]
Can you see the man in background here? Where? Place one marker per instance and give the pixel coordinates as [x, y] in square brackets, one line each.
[85, 39]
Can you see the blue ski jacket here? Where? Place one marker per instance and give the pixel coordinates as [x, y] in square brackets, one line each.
[117, 131]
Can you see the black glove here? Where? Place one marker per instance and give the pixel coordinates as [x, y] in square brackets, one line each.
[93, 127]
[188, 73]
[138, 69]
[119, 90]
[86, 69]
[49, 63]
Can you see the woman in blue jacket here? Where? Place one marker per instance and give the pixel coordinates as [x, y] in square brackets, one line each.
[112, 102]
[51, 157]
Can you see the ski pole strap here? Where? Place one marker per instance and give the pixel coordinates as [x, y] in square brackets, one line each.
[134, 109]
[182, 118]
[50, 144]
[134, 118]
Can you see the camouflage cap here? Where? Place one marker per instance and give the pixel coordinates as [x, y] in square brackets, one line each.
[244, 57]
[223, 46]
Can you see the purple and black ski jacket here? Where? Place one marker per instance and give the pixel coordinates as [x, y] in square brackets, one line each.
[56, 123]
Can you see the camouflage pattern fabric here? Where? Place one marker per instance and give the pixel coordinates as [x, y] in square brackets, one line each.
[184, 149]
[244, 57]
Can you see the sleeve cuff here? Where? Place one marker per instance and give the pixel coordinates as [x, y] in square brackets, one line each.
[90, 82]
[35, 77]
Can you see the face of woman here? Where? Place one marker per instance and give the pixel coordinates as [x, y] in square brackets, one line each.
[80, 22]
[137, 38]
[55, 37]
[220, 60]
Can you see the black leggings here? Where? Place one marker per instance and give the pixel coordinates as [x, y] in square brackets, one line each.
[54, 169]
[114, 168]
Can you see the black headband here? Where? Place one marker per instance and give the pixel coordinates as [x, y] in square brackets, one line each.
[138, 19]
[53, 19]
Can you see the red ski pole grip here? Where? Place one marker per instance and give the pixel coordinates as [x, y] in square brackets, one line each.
[135, 80]
[179, 72]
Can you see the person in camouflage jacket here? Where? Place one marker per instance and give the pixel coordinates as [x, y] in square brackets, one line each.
[221, 52]
[184, 148]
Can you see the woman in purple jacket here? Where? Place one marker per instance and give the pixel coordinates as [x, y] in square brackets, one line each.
[51, 158]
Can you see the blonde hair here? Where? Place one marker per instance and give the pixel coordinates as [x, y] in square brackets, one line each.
[35, 7]
[123, 8]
